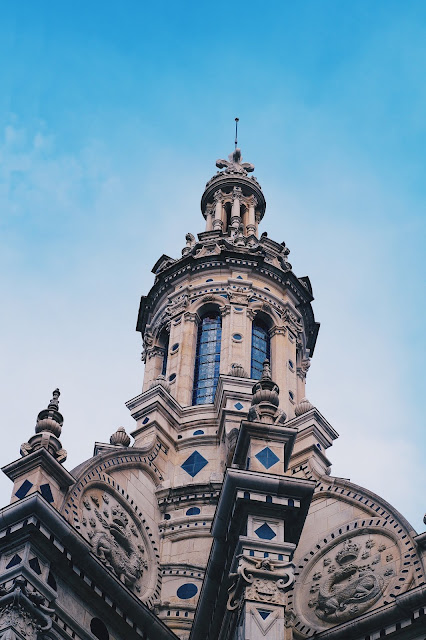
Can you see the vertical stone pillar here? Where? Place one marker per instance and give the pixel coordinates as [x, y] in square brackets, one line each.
[153, 365]
[225, 347]
[279, 363]
[257, 218]
[218, 213]
[251, 220]
[185, 365]
[209, 220]
[236, 210]
[302, 370]
[289, 367]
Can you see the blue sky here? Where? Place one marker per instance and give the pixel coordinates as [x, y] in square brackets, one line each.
[111, 118]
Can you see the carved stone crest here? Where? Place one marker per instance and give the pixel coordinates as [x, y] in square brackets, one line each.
[349, 579]
[115, 538]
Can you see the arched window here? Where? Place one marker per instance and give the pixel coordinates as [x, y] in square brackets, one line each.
[260, 348]
[207, 359]
[98, 629]
[165, 356]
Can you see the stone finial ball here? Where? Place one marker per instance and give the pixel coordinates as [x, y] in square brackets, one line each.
[303, 407]
[120, 438]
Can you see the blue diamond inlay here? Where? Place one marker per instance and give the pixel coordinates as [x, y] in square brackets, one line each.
[239, 406]
[46, 492]
[194, 463]
[23, 489]
[15, 560]
[267, 457]
[263, 613]
[265, 532]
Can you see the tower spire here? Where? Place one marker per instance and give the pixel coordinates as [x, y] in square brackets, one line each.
[236, 132]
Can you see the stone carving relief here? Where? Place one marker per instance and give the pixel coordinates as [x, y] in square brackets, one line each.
[177, 305]
[291, 320]
[147, 343]
[24, 611]
[115, 537]
[259, 579]
[234, 164]
[239, 295]
[349, 578]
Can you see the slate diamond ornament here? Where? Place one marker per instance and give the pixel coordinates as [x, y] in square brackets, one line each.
[194, 464]
[267, 457]
[265, 532]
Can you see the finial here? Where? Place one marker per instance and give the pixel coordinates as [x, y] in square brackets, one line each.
[47, 431]
[236, 132]
[266, 371]
[265, 401]
[120, 438]
[303, 407]
[54, 403]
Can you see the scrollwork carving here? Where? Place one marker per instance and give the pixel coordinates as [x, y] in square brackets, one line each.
[24, 611]
[259, 579]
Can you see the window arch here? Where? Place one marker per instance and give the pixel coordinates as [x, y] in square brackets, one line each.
[98, 629]
[260, 348]
[164, 343]
[207, 358]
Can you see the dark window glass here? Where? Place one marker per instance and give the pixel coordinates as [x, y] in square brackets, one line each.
[166, 353]
[207, 359]
[98, 629]
[260, 348]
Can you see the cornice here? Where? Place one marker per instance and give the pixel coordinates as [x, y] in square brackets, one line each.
[39, 458]
[228, 257]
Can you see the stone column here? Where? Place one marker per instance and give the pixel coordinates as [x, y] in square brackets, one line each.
[290, 371]
[225, 346]
[236, 210]
[218, 213]
[279, 363]
[251, 220]
[209, 220]
[153, 365]
[302, 370]
[185, 365]
[257, 218]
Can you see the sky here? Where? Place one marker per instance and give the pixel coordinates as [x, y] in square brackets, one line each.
[112, 115]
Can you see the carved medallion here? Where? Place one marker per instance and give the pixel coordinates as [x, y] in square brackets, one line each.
[116, 538]
[350, 576]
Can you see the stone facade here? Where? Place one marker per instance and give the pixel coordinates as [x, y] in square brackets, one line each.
[219, 519]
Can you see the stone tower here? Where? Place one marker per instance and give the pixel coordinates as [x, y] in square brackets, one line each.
[221, 520]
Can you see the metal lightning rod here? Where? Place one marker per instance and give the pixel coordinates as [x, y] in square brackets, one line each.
[236, 131]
